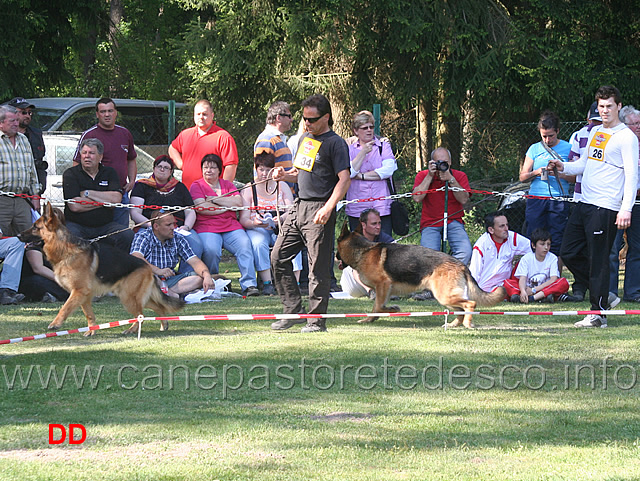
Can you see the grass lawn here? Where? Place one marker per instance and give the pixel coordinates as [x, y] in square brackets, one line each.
[518, 398]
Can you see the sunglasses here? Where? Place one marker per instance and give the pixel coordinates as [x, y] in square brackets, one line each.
[366, 127]
[285, 115]
[312, 120]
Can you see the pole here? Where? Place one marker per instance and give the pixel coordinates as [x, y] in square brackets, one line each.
[171, 130]
[376, 117]
[445, 216]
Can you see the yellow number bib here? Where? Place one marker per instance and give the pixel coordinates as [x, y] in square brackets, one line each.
[597, 146]
[306, 154]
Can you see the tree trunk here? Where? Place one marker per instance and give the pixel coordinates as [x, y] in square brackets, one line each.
[423, 120]
[116, 13]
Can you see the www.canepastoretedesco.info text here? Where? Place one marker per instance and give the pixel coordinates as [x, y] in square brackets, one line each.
[226, 378]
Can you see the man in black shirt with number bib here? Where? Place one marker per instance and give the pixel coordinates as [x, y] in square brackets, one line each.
[321, 169]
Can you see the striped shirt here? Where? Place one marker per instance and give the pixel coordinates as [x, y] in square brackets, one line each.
[17, 170]
[161, 254]
[273, 141]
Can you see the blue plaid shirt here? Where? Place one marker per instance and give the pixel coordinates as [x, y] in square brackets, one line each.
[161, 255]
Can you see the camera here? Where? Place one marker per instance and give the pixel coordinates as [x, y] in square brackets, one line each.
[442, 165]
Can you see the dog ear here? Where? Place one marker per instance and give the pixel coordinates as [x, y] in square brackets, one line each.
[345, 231]
[48, 210]
[358, 228]
[51, 217]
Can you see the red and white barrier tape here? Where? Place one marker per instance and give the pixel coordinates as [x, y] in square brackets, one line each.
[106, 325]
[271, 317]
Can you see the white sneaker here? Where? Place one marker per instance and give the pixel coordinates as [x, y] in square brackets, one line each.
[592, 320]
[613, 300]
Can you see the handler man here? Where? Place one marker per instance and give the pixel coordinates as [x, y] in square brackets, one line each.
[321, 169]
[609, 168]
[163, 249]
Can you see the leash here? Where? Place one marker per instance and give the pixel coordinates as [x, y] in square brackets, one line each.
[180, 209]
[556, 156]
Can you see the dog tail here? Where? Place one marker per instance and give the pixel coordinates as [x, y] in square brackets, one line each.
[163, 304]
[482, 298]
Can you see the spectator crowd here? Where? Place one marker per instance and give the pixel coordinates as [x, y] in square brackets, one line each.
[280, 227]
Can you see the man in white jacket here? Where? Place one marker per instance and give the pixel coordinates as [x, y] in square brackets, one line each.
[609, 168]
[493, 253]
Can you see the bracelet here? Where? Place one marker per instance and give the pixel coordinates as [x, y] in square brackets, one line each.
[362, 175]
[533, 289]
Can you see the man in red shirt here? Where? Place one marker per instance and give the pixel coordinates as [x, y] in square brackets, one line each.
[432, 219]
[192, 144]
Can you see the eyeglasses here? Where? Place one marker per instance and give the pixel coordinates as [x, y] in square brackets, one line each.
[312, 120]
[366, 127]
[285, 115]
[163, 167]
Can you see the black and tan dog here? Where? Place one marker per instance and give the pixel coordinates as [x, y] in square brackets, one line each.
[401, 269]
[87, 270]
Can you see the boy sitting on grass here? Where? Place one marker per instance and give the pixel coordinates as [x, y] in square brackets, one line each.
[537, 274]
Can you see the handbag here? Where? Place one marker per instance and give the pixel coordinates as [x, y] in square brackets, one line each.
[399, 214]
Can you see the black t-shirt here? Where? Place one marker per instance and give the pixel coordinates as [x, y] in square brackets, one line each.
[75, 181]
[333, 157]
[178, 196]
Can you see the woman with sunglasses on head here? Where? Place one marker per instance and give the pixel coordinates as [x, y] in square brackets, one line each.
[163, 189]
[372, 164]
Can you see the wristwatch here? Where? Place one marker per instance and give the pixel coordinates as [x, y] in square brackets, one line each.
[86, 193]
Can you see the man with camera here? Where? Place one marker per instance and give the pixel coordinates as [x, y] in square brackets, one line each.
[433, 205]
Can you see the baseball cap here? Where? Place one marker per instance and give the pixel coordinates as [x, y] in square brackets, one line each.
[20, 103]
[593, 112]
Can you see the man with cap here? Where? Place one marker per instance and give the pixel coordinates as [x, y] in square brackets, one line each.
[579, 144]
[34, 135]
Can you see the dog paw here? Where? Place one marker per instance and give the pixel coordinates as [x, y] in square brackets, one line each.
[455, 323]
[132, 330]
[164, 325]
[54, 327]
[367, 320]
[393, 308]
[89, 333]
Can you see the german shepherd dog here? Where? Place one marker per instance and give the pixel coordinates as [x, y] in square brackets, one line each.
[87, 270]
[401, 269]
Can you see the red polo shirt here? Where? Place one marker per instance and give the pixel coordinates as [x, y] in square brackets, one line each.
[194, 147]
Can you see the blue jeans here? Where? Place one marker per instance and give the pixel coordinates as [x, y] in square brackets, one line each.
[237, 242]
[121, 214]
[551, 215]
[12, 251]
[196, 246]
[632, 268]
[261, 241]
[456, 235]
